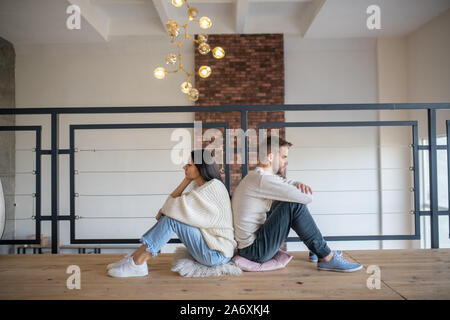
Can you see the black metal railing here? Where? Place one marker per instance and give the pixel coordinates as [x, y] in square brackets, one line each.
[54, 153]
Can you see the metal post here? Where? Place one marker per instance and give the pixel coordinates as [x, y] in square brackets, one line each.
[244, 148]
[415, 150]
[432, 153]
[448, 172]
[54, 181]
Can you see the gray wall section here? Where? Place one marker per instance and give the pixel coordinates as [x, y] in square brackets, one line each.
[7, 138]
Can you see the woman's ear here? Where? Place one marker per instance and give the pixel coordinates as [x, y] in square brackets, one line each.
[270, 157]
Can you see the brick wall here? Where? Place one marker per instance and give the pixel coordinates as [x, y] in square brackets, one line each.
[251, 73]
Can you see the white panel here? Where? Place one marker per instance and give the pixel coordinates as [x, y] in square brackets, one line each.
[320, 116]
[367, 224]
[25, 139]
[332, 158]
[111, 206]
[46, 190]
[33, 120]
[402, 224]
[25, 161]
[344, 202]
[347, 225]
[127, 183]
[338, 245]
[397, 178]
[396, 157]
[444, 234]
[332, 136]
[396, 136]
[25, 183]
[64, 184]
[112, 228]
[25, 228]
[25, 207]
[132, 160]
[397, 201]
[125, 139]
[336, 179]
[66, 120]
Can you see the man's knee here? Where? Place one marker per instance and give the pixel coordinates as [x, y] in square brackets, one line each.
[298, 208]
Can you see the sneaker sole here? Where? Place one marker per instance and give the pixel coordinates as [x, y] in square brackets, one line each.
[131, 276]
[341, 270]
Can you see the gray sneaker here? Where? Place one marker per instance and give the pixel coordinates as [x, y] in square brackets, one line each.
[314, 258]
[338, 263]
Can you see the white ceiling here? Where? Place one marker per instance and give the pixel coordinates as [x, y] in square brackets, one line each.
[44, 21]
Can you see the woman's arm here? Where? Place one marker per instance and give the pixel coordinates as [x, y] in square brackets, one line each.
[176, 193]
[179, 190]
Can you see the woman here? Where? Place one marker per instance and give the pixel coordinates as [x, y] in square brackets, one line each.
[201, 218]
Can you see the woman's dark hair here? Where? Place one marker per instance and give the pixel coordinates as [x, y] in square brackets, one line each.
[206, 164]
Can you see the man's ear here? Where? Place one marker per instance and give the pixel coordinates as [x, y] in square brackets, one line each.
[270, 157]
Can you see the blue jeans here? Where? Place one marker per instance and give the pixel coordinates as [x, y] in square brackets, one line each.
[191, 237]
[280, 219]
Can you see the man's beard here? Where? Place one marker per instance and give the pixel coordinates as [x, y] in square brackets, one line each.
[282, 172]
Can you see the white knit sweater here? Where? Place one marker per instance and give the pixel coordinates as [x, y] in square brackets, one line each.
[208, 208]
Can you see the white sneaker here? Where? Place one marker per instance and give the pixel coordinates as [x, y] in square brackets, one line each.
[129, 269]
[118, 263]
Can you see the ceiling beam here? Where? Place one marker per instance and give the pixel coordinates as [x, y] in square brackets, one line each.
[94, 16]
[241, 8]
[309, 14]
[161, 7]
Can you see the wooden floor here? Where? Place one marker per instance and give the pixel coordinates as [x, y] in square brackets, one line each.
[405, 274]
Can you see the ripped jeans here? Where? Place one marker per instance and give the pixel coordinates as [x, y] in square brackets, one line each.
[191, 237]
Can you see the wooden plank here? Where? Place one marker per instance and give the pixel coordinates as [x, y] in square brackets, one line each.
[414, 274]
[44, 277]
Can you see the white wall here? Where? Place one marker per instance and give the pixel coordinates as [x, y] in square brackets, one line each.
[429, 81]
[415, 68]
[353, 171]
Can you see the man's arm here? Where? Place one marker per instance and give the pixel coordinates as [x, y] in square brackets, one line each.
[276, 188]
[299, 185]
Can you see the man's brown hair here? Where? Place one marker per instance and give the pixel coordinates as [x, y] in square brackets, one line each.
[268, 142]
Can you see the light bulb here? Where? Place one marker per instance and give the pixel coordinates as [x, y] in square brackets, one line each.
[218, 52]
[171, 58]
[205, 22]
[186, 87]
[159, 73]
[204, 48]
[202, 37]
[204, 71]
[193, 94]
[192, 13]
[172, 28]
[177, 3]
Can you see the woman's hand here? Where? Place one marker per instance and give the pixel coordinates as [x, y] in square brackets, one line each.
[179, 190]
[159, 215]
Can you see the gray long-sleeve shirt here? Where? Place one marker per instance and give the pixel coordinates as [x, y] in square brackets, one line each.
[253, 197]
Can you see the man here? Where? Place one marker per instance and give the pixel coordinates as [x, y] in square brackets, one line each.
[265, 207]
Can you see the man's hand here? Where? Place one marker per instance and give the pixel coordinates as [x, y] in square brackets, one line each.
[159, 215]
[304, 188]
